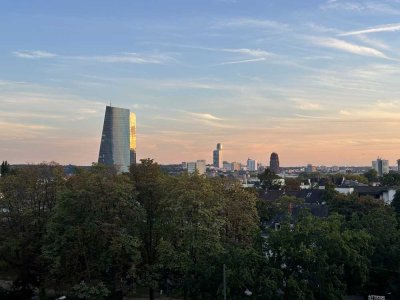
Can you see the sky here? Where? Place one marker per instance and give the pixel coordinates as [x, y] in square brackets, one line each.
[316, 81]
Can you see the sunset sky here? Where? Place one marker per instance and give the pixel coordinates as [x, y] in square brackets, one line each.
[315, 81]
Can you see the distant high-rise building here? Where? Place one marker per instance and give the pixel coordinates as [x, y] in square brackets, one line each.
[217, 156]
[274, 163]
[398, 165]
[236, 166]
[381, 166]
[251, 165]
[199, 166]
[118, 140]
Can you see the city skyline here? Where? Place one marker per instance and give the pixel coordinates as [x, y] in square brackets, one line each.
[315, 82]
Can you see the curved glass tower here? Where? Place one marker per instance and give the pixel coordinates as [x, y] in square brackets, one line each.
[118, 140]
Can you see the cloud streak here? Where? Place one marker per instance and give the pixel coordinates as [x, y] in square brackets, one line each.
[36, 54]
[382, 28]
[348, 47]
[241, 61]
[124, 57]
[252, 23]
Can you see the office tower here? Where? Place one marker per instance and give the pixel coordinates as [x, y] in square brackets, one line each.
[251, 165]
[381, 166]
[398, 165]
[274, 163]
[118, 140]
[217, 156]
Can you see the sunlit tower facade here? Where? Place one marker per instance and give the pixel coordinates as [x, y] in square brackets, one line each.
[274, 163]
[118, 139]
[132, 144]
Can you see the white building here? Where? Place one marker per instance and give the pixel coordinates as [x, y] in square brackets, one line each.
[251, 165]
[199, 166]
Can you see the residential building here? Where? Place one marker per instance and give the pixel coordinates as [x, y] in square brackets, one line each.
[199, 166]
[274, 163]
[118, 140]
[217, 156]
[381, 166]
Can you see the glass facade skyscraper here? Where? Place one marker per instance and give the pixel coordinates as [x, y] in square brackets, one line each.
[118, 140]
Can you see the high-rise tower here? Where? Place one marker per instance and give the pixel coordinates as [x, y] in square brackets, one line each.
[217, 156]
[274, 163]
[381, 166]
[118, 140]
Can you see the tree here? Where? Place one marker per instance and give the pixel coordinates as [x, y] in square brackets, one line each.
[147, 178]
[396, 203]
[316, 257]
[292, 184]
[382, 226]
[5, 168]
[27, 201]
[391, 179]
[371, 175]
[268, 180]
[92, 243]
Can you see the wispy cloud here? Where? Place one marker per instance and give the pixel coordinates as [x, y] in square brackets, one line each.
[33, 54]
[128, 57]
[205, 116]
[124, 57]
[304, 104]
[241, 61]
[348, 47]
[373, 7]
[381, 28]
[250, 52]
[254, 23]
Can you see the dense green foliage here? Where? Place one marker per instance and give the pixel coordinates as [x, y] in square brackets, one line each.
[4, 168]
[101, 235]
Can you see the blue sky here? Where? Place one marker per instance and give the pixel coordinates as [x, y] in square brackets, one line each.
[315, 81]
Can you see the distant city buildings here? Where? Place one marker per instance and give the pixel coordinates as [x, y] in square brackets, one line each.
[199, 166]
[398, 165]
[310, 168]
[217, 156]
[118, 139]
[236, 166]
[274, 163]
[251, 165]
[227, 166]
[381, 166]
